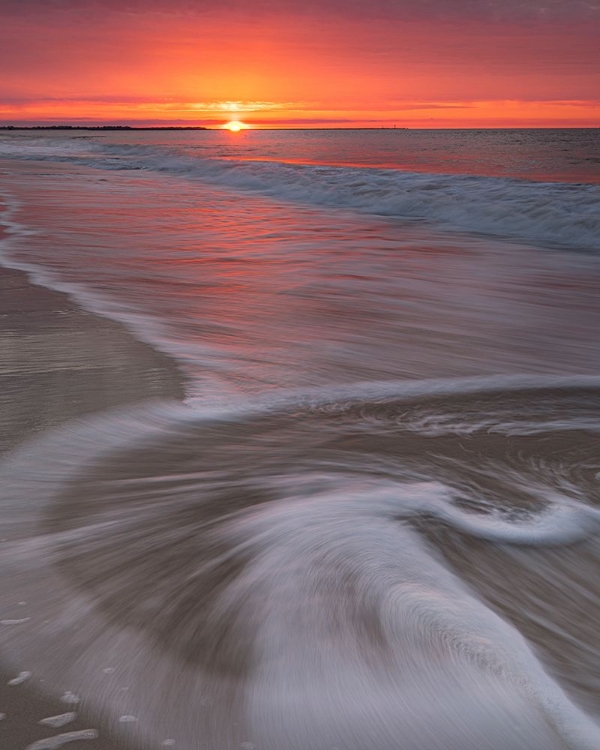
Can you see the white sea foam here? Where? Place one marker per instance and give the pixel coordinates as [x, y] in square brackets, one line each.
[70, 698]
[58, 721]
[20, 678]
[59, 740]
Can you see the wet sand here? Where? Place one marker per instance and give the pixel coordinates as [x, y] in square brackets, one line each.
[58, 362]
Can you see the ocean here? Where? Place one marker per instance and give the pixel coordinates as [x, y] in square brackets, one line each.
[373, 524]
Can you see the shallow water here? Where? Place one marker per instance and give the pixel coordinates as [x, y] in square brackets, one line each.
[367, 527]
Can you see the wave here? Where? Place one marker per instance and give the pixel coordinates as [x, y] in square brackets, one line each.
[311, 570]
[555, 214]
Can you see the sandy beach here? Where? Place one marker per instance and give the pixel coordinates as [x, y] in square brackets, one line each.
[59, 362]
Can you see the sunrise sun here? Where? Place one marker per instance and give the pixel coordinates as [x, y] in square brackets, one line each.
[235, 126]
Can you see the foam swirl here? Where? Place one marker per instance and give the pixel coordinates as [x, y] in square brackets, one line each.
[310, 571]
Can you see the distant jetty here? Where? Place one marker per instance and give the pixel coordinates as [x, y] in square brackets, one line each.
[100, 127]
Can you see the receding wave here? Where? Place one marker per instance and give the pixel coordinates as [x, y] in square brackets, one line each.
[399, 565]
[563, 214]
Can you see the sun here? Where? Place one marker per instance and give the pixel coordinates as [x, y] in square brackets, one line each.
[235, 126]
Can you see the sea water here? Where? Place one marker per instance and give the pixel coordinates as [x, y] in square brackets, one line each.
[373, 523]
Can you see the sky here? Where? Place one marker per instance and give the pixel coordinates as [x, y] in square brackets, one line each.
[288, 63]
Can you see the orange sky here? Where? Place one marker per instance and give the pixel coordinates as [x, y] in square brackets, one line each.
[331, 64]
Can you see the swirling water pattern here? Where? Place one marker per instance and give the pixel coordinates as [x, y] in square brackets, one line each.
[292, 574]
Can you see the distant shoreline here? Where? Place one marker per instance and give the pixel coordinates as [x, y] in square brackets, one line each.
[101, 127]
[177, 127]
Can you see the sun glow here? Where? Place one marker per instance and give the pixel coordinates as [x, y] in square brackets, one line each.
[235, 126]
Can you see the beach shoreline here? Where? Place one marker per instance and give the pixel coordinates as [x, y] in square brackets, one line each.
[59, 362]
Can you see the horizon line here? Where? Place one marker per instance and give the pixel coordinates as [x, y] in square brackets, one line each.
[67, 126]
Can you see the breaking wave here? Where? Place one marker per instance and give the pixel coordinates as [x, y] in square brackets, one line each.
[562, 214]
